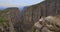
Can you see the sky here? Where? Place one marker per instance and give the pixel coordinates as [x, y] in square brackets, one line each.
[17, 3]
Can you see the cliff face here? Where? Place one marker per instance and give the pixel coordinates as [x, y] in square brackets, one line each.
[13, 17]
[33, 13]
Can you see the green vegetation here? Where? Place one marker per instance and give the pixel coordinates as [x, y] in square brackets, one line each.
[3, 21]
[33, 30]
[3, 11]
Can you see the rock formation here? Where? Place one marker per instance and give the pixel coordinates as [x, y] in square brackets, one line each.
[33, 13]
[13, 17]
[51, 24]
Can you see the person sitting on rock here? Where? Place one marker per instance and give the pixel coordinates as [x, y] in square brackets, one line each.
[41, 20]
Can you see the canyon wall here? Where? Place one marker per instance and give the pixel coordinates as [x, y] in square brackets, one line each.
[32, 13]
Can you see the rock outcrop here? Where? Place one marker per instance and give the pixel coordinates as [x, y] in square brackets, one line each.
[51, 24]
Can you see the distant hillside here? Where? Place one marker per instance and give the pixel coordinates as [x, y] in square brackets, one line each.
[21, 8]
[13, 16]
[2, 7]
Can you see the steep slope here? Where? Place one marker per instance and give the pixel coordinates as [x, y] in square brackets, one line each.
[13, 17]
[33, 13]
